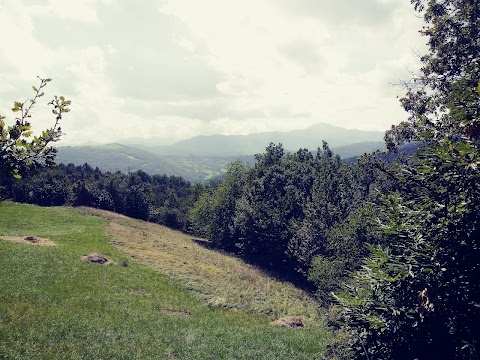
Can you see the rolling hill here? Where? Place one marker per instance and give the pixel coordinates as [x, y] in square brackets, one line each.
[117, 157]
[205, 157]
[234, 145]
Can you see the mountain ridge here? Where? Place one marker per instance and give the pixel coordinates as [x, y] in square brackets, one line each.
[310, 137]
[205, 157]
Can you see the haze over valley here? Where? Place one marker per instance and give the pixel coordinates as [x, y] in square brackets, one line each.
[205, 157]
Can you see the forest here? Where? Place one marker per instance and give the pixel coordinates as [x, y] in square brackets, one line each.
[389, 244]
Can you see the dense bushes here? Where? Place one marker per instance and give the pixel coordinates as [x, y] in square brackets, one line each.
[157, 198]
[289, 209]
[417, 295]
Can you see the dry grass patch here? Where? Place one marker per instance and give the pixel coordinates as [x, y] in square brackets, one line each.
[32, 240]
[102, 213]
[289, 322]
[219, 279]
[176, 312]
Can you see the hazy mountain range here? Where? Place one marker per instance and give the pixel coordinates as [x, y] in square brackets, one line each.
[203, 157]
[233, 145]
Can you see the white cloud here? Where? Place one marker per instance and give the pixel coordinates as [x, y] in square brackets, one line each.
[189, 67]
[78, 10]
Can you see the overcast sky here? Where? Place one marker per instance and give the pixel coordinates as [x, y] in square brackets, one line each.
[180, 68]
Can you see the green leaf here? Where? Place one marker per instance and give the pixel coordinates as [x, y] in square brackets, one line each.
[17, 106]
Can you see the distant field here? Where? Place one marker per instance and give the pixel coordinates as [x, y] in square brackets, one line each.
[54, 305]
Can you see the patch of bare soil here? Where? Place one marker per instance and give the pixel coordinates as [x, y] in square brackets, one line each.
[32, 240]
[96, 258]
[289, 321]
[176, 312]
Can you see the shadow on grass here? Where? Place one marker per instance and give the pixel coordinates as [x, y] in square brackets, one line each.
[284, 272]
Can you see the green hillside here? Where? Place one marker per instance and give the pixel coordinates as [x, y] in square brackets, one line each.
[194, 168]
[116, 157]
[54, 305]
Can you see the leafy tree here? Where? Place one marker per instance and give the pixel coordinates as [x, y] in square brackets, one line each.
[417, 295]
[45, 188]
[213, 215]
[280, 213]
[19, 152]
[442, 97]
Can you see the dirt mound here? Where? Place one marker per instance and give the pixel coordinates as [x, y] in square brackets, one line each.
[175, 312]
[96, 258]
[289, 321]
[32, 240]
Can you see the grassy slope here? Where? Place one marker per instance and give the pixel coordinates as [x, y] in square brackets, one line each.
[54, 305]
[219, 279]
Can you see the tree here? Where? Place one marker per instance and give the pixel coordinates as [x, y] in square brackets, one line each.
[213, 215]
[19, 152]
[417, 294]
[442, 97]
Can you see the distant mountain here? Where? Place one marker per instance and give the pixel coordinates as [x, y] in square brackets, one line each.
[206, 157]
[358, 149]
[152, 141]
[194, 168]
[116, 157]
[234, 145]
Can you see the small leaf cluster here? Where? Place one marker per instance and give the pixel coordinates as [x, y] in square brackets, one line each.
[20, 150]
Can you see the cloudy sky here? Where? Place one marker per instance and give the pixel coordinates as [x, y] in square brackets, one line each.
[179, 68]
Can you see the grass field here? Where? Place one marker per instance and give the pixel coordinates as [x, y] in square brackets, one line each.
[53, 305]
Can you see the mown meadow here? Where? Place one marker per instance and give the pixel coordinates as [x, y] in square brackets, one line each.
[54, 305]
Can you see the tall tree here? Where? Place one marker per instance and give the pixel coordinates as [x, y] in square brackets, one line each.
[442, 97]
[417, 295]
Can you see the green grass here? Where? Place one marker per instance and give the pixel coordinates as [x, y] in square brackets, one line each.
[53, 305]
[214, 277]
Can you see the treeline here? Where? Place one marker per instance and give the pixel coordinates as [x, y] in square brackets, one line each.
[397, 245]
[157, 198]
[392, 249]
[303, 216]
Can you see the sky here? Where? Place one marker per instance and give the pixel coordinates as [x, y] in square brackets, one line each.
[174, 69]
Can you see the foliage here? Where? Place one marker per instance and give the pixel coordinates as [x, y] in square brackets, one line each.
[442, 97]
[19, 152]
[416, 296]
[281, 213]
[158, 198]
[344, 249]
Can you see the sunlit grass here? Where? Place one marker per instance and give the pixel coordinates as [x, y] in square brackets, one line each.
[53, 305]
[219, 279]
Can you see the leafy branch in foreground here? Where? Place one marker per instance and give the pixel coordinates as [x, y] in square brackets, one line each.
[19, 152]
[417, 294]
